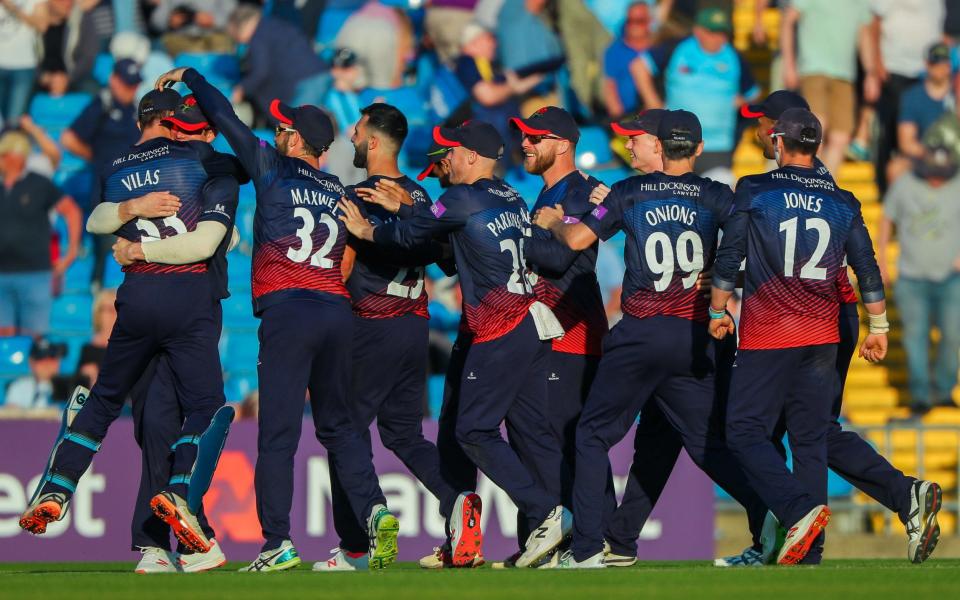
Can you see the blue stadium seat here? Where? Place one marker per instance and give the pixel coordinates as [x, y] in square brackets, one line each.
[238, 274]
[112, 274]
[238, 385]
[14, 352]
[56, 114]
[238, 312]
[593, 141]
[103, 68]
[76, 184]
[74, 344]
[244, 222]
[331, 21]
[410, 100]
[77, 277]
[240, 352]
[248, 194]
[72, 313]
[223, 67]
[435, 394]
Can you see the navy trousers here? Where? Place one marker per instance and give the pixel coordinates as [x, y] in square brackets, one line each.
[674, 362]
[506, 379]
[388, 384]
[305, 344]
[172, 314]
[157, 419]
[799, 384]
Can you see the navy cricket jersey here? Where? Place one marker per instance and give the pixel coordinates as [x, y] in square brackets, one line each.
[567, 279]
[794, 225]
[386, 282]
[298, 239]
[192, 171]
[671, 222]
[486, 222]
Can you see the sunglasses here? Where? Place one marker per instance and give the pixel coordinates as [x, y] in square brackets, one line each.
[536, 139]
[281, 129]
[639, 21]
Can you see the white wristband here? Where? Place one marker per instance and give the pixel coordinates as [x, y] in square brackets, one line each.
[879, 323]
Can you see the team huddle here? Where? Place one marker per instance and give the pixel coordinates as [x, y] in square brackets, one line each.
[338, 286]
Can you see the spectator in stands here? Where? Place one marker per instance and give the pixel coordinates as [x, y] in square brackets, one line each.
[343, 102]
[528, 45]
[381, 38]
[924, 207]
[108, 125]
[921, 105]
[21, 23]
[707, 76]
[26, 200]
[904, 31]
[819, 41]
[444, 24]
[76, 33]
[91, 354]
[46, 161]
[620, 92]
[43, 387]
[193, 25]
[494, 92]
[281, 62]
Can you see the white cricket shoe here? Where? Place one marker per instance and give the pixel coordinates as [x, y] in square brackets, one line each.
[342, 561]
[616, 560]
[772, 536]
[923, 531]
[747, 558]
[546, 537]
[802, 535]
[156, 560]
[199, 562]
[279, 559]
[567, 561]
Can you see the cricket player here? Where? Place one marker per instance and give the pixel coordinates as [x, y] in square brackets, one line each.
[794, 226]
[306, 324]
[391, 341]
[504, 370]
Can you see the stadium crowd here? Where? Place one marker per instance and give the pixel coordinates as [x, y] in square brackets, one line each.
[881, 75]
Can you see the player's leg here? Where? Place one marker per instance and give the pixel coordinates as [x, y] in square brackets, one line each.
[759, 387]
[808, 419]
[656, 447]
[494, 374]
[456, 468]
[194, 357]
[132, 345]
[348, 451]
[285, 333]
[629, 372]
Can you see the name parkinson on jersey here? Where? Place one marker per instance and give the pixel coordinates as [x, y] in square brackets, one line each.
[145, 155]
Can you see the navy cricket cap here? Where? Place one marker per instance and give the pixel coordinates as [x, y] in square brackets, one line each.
[938, 53]
[549, 120]
[799, 124]
[158, 102]
[313, 125]
[478, 136]
[680, 126]
[435, 154]
[188, 116]
[128, 71]
[43, 348]
[774, 105]
[647, 121]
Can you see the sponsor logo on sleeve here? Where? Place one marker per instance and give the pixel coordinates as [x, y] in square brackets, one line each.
[599, 212]
[438, 209]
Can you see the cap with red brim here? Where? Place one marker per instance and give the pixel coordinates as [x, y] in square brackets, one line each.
[646, 122]
[774, 105]
[478, 136]
[435, 154]
[549, 120]
[188, 116]
[313, 125]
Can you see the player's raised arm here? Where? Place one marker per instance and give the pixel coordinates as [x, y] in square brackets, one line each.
[255, 156]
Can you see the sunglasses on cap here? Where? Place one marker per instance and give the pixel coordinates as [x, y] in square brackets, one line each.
[281, 129]
[537, 138]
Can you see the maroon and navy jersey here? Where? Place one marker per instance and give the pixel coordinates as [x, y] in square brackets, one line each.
[487, 222]
[191, 171]
[388, 282]
[794, 226]
[298, 239]
[566, 280]
[671, 223]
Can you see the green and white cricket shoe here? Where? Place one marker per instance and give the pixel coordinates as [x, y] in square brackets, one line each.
[383, 529]
[567, 561]
[343, 561]
[279, 559]
[203, 561]
[748, 558]
[772, 536]
[923, 531]
[156, 560]
[612, 559]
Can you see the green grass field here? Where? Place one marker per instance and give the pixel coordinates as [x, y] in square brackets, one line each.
[847, 579]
